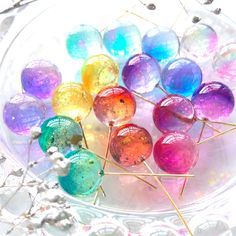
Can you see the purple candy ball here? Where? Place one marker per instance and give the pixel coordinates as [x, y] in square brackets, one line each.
[23, 112]
[40, 78]
[213, 101]
[141, 73]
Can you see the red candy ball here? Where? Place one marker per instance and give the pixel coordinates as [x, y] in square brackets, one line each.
[130, 145]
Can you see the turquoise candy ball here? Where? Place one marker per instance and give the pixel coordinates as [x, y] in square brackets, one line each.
[85, 173]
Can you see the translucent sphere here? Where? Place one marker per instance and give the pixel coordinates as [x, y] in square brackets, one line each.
[213, 101]
[40, 78]
[181, 76]
[174, 113]
[61, 132]
[83, 41]
[130, 145]
[84, 176]
[22, 112]
[98, 72]
[199, 41]
[114, 106]
[175, 153]
[72, 100]
[122, 40]
[161, 43]
[225, 62]
[141, 73]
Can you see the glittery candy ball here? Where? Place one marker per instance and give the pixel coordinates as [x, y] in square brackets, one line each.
[61, 132]
[141, 73]
[40, 78]
[213, 101]
[122, 40]
[84, 175]
[99, 72]
[22, 112]
[72, 100]
[175, 153]
[199, 41]
[83, 41]
[114, 106]
[225, 62]
[174, 113]
[130, 145]
[181, 76]
[161, 43]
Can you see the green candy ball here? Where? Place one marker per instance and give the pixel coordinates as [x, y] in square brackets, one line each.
[85, 173]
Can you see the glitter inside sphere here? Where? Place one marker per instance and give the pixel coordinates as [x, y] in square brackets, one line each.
[61, 132]
[161, 43]
[98, 72]
[114, 106]
[213, 101]
[122, 40]
[174, 113]
[72, 100]
[181, 76]
[141, 73]
[199, 41]
[175, 153]
[40, 78]
[225, 62]
[84, 176]
[83, 41]
[23, 112]
[130, 145]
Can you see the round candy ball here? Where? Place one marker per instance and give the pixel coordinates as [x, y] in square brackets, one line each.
[40, 78]
[130, 145]
[161, 43]
[225, 62]
[61, 132]
[85, 173]
[83, 41]
[72, 100]
[175, 153]
[213, 101]
[114, 106]
[98, 72]
[141, 73]
[174, 113]
[181, 76]
[199, 41]
[122, 40]
[22, 112]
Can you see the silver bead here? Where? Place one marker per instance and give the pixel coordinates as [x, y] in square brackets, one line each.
[54, 157]
[62, 166]
[51, 150]
[35, 132]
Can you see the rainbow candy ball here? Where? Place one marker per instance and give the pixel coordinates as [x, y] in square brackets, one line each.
[174, 113]
[199, 41]
[213, 101]
[161, 43]
[122, 40]
[83, 41]
[175, 153]
[72, 100]
[141, 73]
[99, 72]
[130, 145]
[40, 78]
[23, 112]
[85, 173]
[181, 76]
[114, 106]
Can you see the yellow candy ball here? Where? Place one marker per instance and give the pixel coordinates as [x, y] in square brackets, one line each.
[72, 100]
[98, 72]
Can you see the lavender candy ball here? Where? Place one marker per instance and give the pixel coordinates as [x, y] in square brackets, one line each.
[213, 101]
[23, 112]
[40, 78]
